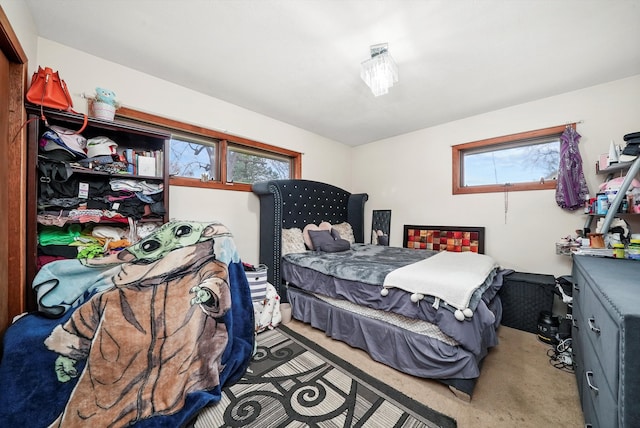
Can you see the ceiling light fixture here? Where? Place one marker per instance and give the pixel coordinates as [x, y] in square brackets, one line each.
[380, 72]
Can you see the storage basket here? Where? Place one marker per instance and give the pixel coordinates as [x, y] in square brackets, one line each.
[258, 283]
[102, 110]
[524, 296]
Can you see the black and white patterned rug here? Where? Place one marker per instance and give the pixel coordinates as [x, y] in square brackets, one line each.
[293, 382]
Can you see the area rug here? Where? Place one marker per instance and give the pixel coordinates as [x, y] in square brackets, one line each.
[293, 382]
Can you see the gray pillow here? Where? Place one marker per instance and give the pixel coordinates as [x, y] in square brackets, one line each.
[323, 240]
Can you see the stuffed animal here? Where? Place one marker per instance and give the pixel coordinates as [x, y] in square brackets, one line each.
[106, 96]
[615, 183]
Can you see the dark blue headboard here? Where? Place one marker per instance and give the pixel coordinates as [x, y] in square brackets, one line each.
[295, 203]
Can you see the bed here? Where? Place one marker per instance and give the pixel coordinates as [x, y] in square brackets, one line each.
[145, 337]
[348, 295]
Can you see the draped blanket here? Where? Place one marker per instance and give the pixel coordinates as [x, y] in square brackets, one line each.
[449, 276]
[146, 337]
[365, 263]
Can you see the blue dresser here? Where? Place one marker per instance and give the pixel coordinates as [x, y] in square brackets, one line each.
[606, 340]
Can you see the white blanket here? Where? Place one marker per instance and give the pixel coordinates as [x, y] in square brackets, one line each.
[451, 277]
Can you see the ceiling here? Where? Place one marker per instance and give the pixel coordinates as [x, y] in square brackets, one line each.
[298, 61]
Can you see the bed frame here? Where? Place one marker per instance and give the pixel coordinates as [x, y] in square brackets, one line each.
[286, 204]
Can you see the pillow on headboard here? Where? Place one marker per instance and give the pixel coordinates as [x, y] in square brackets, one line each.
[346, 231]
[292, 241]
[305, 233]
[328, 241]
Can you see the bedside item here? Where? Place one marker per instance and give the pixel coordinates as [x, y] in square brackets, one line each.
[257, 278]
[548, 327]
[380, 227]
[524, 297]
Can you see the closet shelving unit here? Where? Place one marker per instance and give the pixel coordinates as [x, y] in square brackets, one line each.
[632, 171]
[126, 135]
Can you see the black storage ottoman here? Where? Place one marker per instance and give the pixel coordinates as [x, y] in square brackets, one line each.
[524, 296]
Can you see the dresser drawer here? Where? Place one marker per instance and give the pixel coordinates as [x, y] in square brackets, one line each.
[602, 333]
[577, 348]
[579, 283]
[588, 409]
[596, 393]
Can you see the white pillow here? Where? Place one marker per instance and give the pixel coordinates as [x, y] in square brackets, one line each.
[346, 231]
[292, 241]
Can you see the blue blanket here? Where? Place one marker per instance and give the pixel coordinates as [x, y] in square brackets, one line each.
[146, 337]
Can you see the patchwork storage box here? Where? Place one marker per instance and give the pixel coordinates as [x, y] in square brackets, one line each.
[524, 296]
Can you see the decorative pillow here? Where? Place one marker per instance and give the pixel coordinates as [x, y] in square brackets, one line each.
[346, 231]
[324, 240]
[292, 241]
[305, 233]
[379, 238]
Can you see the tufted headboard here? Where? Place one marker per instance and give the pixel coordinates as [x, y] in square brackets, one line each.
[285, 204]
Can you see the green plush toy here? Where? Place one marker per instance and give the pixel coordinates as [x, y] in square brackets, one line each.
[106, 96]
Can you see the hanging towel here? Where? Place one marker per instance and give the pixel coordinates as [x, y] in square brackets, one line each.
[571, 188]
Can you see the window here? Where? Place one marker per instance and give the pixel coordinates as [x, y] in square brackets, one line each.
[247, 165]
[193, 157]
[200, 157]
[524, 161]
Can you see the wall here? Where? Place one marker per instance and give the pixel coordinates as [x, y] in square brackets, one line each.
[416, 184]
[237, 210]
[23, 25]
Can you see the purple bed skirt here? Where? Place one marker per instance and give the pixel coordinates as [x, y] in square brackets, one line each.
[412, 353]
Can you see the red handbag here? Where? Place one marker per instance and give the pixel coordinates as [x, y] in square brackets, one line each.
[49, 90]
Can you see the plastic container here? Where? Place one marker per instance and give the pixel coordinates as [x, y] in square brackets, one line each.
[548, 326]
[633, 250]
[618, 251]
[102, 110]
[602, 204]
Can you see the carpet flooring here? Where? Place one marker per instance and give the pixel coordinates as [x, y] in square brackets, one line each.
[518, 386]
[293, 382]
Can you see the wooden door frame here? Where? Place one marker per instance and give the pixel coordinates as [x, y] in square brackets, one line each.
[16, 155]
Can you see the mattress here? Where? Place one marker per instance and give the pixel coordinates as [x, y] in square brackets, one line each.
[473, 334]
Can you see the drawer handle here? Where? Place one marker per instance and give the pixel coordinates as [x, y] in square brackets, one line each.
[588, 374]
[593, 327]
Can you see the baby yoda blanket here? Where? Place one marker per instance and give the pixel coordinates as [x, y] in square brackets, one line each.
[146, 337]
